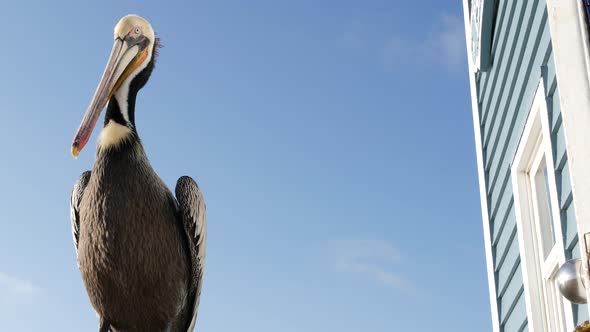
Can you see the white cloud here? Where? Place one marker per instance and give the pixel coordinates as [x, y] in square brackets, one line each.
[373, 258]
[450, 40]
[444, 45]
[12, 286]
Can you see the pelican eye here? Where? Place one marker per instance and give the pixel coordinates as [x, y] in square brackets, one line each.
[137, 31]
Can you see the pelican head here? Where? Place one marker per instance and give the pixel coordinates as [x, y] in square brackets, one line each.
[133, 52]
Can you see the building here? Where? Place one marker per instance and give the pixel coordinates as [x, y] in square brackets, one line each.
[529, 66]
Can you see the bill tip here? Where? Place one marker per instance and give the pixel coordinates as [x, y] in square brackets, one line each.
[75, 152]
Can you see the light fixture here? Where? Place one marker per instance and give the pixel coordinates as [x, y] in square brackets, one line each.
[571, 281]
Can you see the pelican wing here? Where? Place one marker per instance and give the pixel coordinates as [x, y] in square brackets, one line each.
[191, 206]
[75, 200]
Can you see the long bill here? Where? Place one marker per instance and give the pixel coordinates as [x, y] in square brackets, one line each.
[118, 68]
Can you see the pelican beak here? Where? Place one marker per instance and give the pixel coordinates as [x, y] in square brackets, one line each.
[125, 57]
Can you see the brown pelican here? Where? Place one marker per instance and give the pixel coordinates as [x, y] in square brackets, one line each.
[141, 251]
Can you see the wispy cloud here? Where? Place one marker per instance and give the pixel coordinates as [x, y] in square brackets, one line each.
[449, 39]
[374, 258]
[12, 286]
[444, 44]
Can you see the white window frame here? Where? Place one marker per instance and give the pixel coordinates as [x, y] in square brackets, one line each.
[543, 300]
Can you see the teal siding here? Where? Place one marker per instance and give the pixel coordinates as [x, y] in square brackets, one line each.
[521, 57]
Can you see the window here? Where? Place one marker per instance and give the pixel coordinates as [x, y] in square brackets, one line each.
[538, 222]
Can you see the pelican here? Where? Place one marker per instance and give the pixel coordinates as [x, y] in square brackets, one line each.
[140, 249]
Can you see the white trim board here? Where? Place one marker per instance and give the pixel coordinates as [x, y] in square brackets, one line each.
[570, 50]
[480, 171]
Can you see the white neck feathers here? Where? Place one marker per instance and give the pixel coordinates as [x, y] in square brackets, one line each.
[113, 134]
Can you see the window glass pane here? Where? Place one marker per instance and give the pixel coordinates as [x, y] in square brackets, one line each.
[545, 222]
[548, 197]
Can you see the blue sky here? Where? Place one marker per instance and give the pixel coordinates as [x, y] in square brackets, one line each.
[333, 142]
